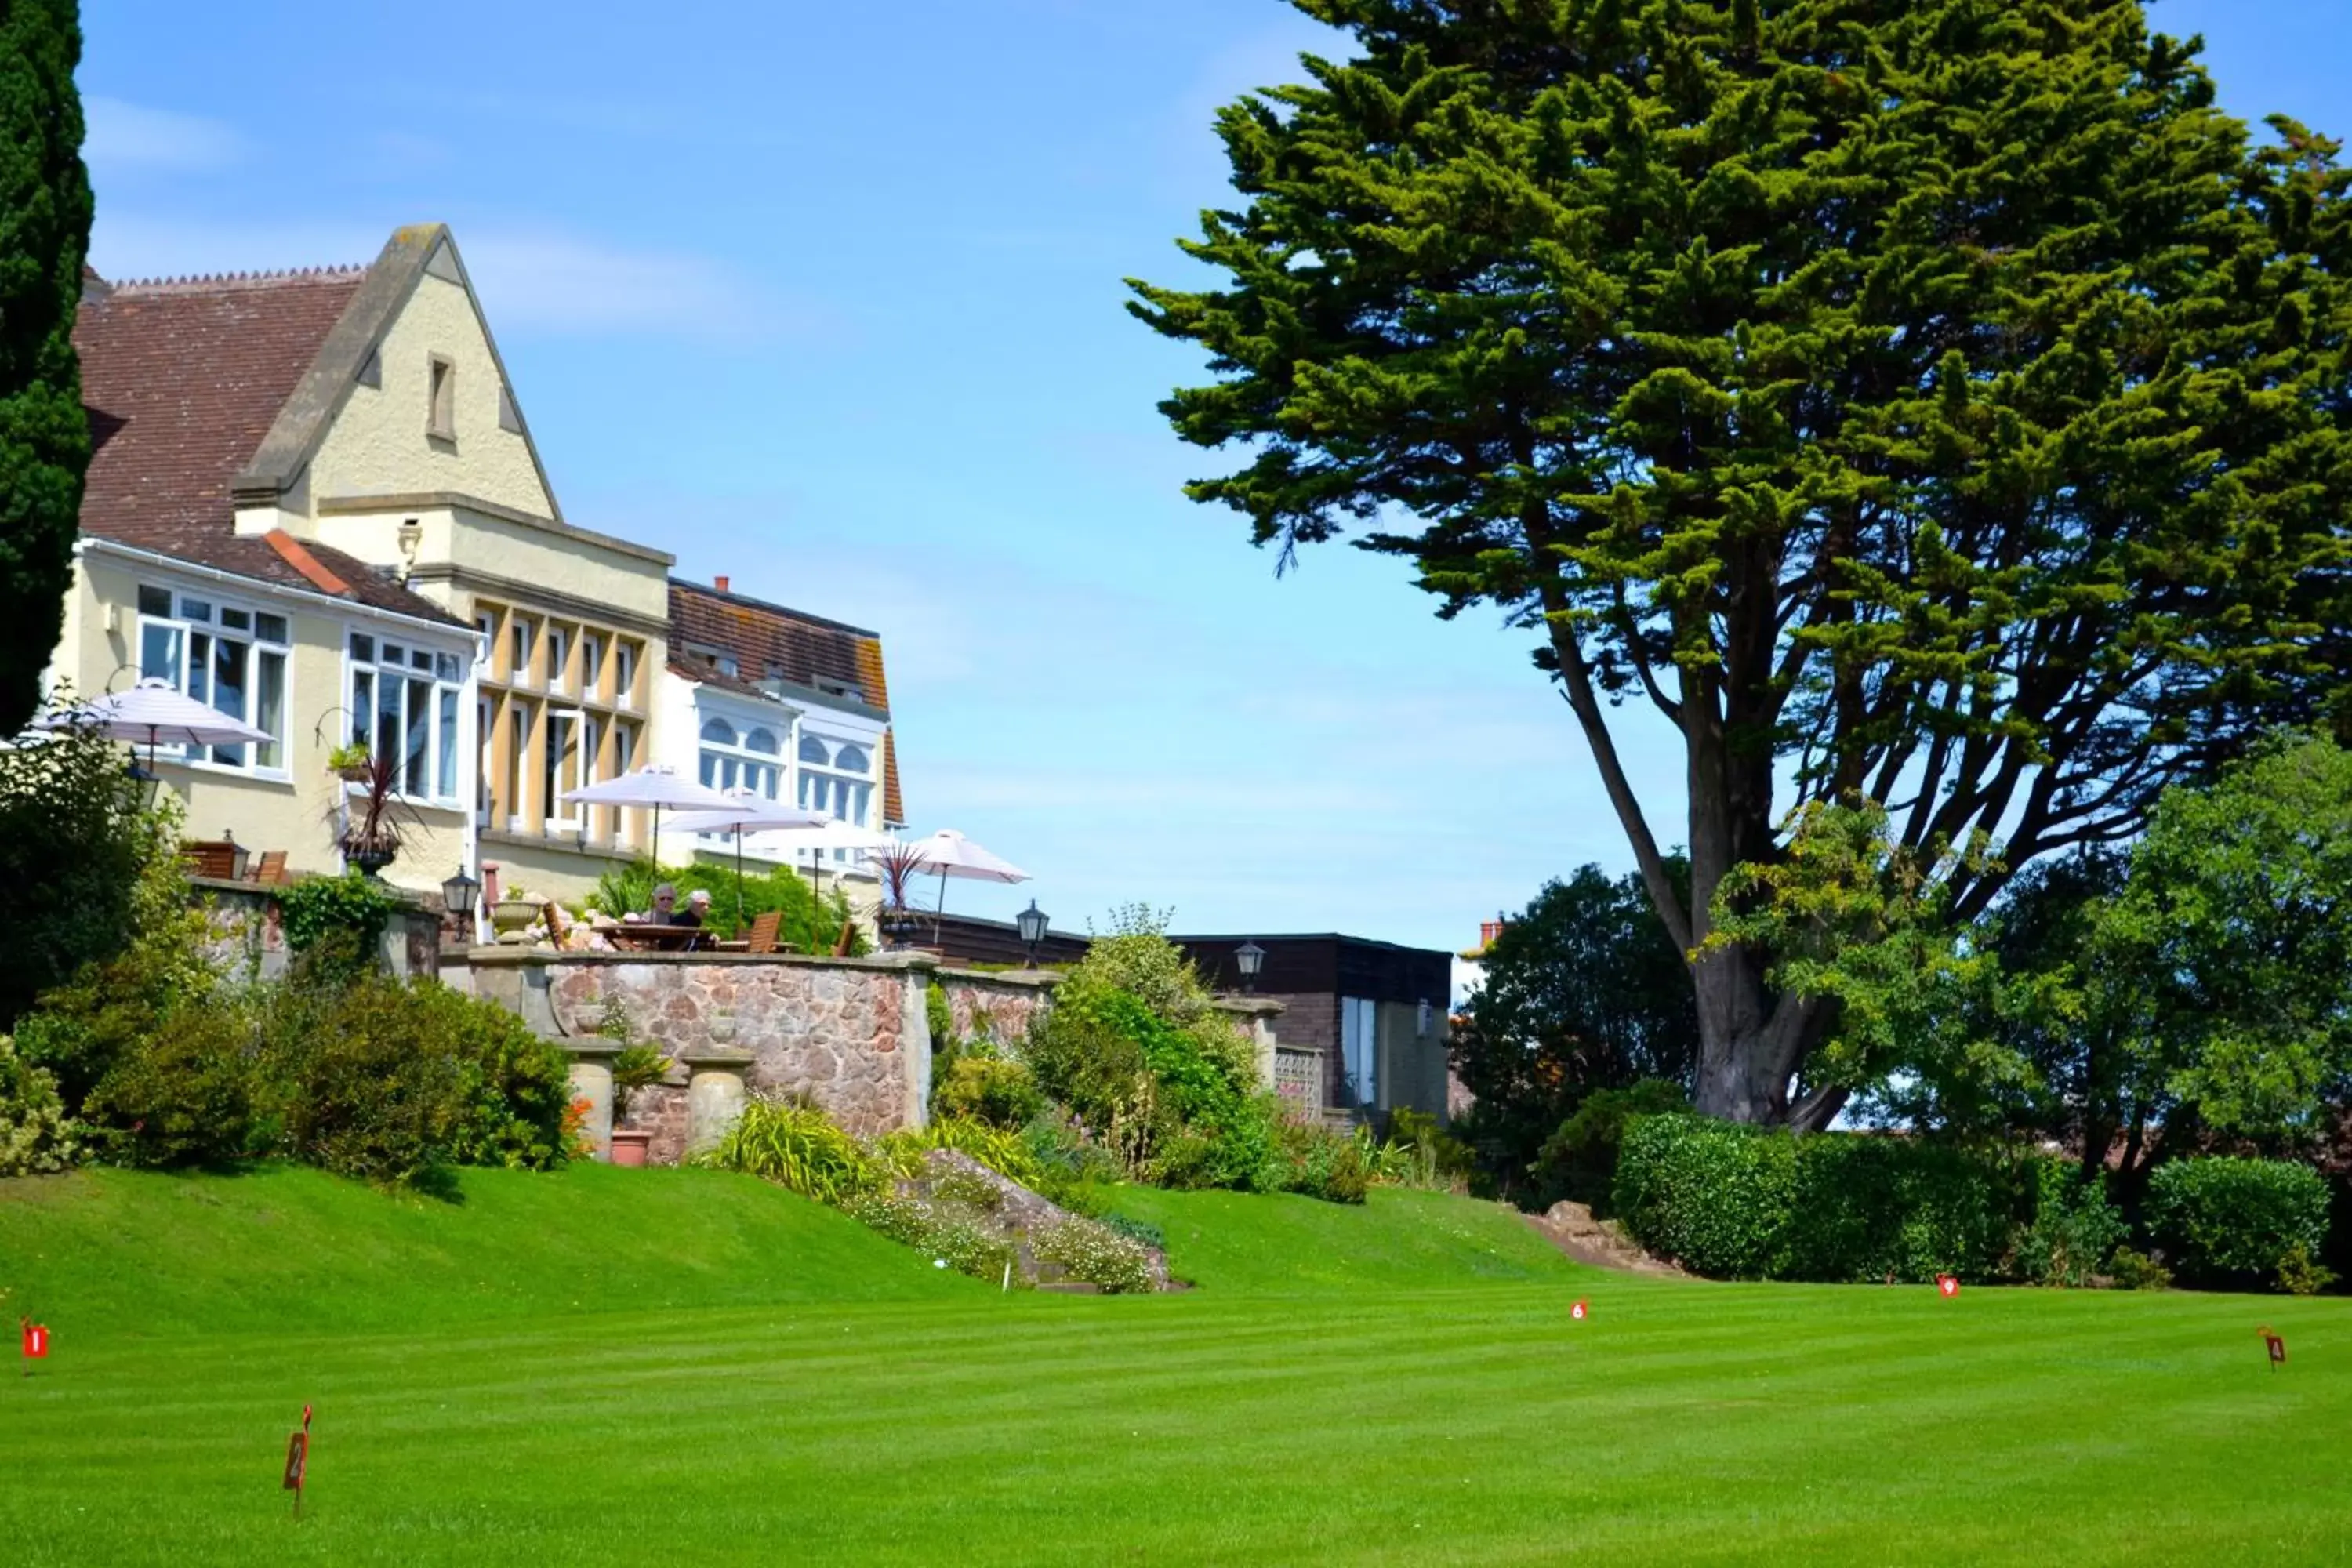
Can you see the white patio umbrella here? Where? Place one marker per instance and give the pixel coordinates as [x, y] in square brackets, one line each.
[657, 786]
[746, 812]
[155, 712]
[951, 854]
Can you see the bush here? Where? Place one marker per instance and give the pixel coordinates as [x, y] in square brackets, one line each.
[2074, 1228]
[192, 1088]
[74, 838]
[352, 908]
[1711, 1195]
[994, 1089]
[811, 923]
[1004, 1150]
[945, 1231]
[1580, 1159]
[795, 1145]
[34, 1137]
[2134, 1270]
[1318, 1162]
[1097, 1254]
[2237, 1224]
[366, 1096]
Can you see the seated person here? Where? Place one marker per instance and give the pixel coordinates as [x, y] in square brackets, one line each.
[698, 909]
[665, 911]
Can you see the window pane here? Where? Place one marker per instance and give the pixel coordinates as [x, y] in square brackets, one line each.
[719, 732]
[448, 787]
[155, 601]
[159, 652]
[269, 707]
[199, 678]
[418, 775]
[861, 795]
[236, 620]
[363, 704]
[814, 751]
[364, 648]
[420, 659]
[710, 770]
[393, 653]
[269, 628]
[761, 741]
[229, 693]
[444, 666]
[852, 760]
[196, 609]
[389, 743]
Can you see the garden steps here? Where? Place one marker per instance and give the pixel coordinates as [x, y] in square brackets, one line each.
[1599, 1243]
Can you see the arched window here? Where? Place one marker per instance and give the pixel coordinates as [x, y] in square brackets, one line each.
[731, 759]
[837, 777]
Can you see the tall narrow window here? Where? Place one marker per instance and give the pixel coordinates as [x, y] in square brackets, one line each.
[518, 727]
[559, 649]
[624, 674]
[441, 414]
[1360, 1052]
[521, 634]
[562, 771]
[592, 664]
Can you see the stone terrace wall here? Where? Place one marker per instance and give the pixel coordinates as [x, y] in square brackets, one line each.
[848, 1032]
[1005, 1002]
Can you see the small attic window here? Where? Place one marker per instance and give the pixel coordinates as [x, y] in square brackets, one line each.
[510, 416]
[441, 404]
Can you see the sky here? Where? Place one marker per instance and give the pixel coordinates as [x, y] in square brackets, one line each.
[828, 299]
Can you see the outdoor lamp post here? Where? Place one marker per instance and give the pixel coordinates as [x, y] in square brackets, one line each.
[1247, 958]
[458, 896]
[1033, 921]
[237, 855]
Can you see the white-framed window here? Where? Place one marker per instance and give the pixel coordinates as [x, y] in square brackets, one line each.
[838, 778]
[1360, 1051]
[559, 646]
[229, 656]
[563, 763]
[519, 720]
[592, 663]
[742, 757]
[403, 702]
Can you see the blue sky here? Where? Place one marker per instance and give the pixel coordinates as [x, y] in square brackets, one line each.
[828, 298]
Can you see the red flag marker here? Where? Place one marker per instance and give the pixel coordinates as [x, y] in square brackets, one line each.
[2276, 1346]
[1950, 1284]
[37, 1343]
[1577, 1311]
[297, 1460]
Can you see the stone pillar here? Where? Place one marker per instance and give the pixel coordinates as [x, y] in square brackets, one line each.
[1254, 1015]
[592, 1080]
[714, 1093]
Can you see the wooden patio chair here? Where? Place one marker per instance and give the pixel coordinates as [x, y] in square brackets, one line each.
[271, 870]
[761, 938]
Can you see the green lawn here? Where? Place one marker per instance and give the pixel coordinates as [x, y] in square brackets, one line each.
[678, 1367]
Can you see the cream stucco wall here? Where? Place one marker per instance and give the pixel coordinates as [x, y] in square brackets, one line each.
[378, 443]
[293, 808]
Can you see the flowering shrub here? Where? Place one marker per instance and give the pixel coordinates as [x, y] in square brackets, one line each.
[1097, 1255]
[946, 1231]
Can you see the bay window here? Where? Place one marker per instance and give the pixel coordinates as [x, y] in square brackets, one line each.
[836, 778]
[403, 702]
[230, 656]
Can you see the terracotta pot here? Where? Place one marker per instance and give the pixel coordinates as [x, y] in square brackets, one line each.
[629, 1146]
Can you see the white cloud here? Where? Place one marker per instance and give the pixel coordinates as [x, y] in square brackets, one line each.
[120, 135]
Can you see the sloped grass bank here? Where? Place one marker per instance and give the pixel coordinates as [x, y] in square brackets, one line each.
[283, 1247]
[1335, 1391]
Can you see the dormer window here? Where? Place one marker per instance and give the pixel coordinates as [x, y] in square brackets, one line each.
[441, 400]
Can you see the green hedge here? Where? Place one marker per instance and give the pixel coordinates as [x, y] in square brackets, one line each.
[2237, 1223]
[1744, 1202]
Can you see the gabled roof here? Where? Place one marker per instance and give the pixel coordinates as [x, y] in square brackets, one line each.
[182, 379]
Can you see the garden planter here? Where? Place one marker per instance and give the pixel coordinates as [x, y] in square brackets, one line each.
[509, 916]
[897, 927]
[630, 1145]
[369, 858]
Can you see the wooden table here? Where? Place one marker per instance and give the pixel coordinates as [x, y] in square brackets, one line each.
[650, 937]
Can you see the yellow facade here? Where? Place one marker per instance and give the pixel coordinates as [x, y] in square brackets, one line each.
[128, 614]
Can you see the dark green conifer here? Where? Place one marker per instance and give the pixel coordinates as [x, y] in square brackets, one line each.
[45, 211]
[1934, 400]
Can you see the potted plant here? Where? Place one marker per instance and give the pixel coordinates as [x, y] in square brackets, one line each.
[897, 920]
[350, 762]
[640, 1064]
[376, 818]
